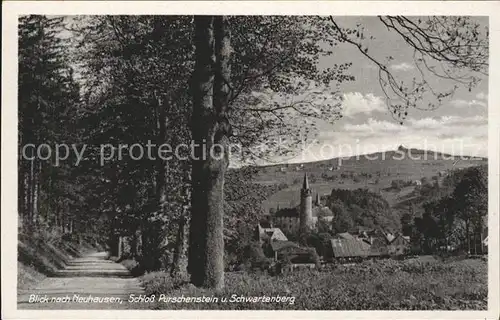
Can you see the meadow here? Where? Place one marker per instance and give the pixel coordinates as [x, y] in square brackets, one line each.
[353, 173]
[424, 283]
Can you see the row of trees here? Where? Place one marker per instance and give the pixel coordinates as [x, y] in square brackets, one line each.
[48, 113]
[214, 80]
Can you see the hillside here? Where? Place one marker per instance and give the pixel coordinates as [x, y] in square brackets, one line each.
[375, 172]
[42, 254]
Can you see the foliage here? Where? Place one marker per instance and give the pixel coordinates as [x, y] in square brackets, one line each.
[49, 193]
[361, 207]
[279, 86]
[370, 285]
[400, 184]
[27, 277]
[320, 242]
[160, 282]
[453, 49]
[451, 219]
[242, 211]
[134, 93]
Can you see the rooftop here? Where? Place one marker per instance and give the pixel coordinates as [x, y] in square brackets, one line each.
[346, 248]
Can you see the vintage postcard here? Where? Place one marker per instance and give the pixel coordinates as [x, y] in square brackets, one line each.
[160, 159]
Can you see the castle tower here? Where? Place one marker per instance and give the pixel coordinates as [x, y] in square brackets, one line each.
[305, 214]
[318, 200]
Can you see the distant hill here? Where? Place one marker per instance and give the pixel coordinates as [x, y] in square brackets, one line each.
[374, 172]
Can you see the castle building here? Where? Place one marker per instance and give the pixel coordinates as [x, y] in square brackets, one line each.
[305, 214]
[304, 217]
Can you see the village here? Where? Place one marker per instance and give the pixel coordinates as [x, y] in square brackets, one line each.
[355, 245]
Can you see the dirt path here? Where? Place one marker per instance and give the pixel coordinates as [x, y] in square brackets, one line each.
[90, 282]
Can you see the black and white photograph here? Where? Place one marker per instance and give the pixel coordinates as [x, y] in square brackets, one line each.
[333, 162]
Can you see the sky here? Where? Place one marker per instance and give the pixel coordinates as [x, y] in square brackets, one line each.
[459, 126]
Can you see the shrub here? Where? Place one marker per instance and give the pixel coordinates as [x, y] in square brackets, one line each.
[370, 285]
[133, 266]
[398, 184]
[282, 185]
[158, 282]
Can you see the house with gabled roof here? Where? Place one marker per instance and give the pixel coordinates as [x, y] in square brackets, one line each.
[270, 234]
[344, 235]
[399, 245]
[349, 248]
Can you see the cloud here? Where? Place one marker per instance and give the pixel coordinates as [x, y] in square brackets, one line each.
[446, 122]
[356, 103]
[426, 123]
[466, 104]
[449, 134]
[404, 66]
[482, 96]
[373, 126]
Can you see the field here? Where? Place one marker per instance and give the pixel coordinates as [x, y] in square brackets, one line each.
[423, 283]
[375, 175]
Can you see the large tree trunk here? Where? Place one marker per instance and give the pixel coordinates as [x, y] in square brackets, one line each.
[60, 225]
[36, 191]
[161, 165]
[210, 128]
[31, 186]
[179, 263]
[56, 219]
[202, 88]
[26, 197]
[63, 222]
[21, 191]
[467, 236]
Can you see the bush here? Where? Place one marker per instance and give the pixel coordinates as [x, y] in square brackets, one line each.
[370, 285]
[282, 185]
[398, 184]
[133, 266]
[160, 282]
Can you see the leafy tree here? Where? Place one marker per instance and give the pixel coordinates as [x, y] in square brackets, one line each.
[407, 220]
[342, 220]
[320, 241]
[48, 110]
[397, 184]
[242, 207]
[135, 92]
[471, 200]
[361, 207]
[281, 58]
[451, 219]
[323, 225]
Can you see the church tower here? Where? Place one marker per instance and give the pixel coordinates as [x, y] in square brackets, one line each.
[305, 214]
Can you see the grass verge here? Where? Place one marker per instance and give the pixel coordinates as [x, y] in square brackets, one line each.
[371, 285]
